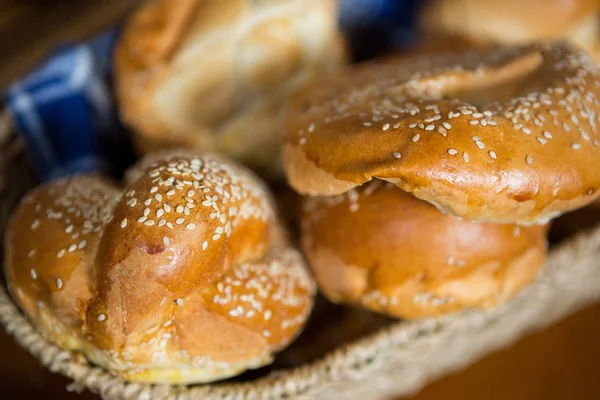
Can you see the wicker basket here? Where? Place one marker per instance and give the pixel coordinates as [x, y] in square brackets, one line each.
[393, 358]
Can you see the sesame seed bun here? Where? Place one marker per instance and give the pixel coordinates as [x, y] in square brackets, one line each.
[380, 248]
[217, 75]
[184, 276]
[514, 21]
[508, 135]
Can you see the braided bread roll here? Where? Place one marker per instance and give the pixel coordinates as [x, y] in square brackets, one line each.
[184, 276]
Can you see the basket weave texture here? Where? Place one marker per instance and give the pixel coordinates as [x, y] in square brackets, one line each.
[396, 360]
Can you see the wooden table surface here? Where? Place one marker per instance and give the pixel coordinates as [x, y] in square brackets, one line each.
[559, 363]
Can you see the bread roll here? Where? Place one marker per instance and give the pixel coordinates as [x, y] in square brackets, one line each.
[509, 135]
[183, 276]
[217, 75]
[512, 22]
[380, 248]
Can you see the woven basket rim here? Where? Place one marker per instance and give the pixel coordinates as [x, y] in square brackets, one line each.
[347, 359]
[349, 362]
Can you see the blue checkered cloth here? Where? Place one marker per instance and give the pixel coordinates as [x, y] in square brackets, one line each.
[65, 113]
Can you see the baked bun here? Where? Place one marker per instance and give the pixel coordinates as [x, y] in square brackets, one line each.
[184, 276]
[515, 21]
[508, 135]
[380, 248]
[217, 75]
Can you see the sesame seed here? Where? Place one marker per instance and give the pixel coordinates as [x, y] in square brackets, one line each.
[72, 248]
[82, 244]
[154, 189]
[311, 128]
[150, 222]
[416, 138]
[547, 135]
[35, 224]
[452, 152]
[179, 221]
[576, 146]
[412, 125]
[529, 159]
[101, 317]
[158, 197]
[167, 207]
[492, 154]
[480, 144]
[466, 157]
[366, 123]
[386, 127]
[166, 240]
[69, 229]
[141, 219]
[33, 274]
[146, 212]
[159, 212]
[446, 125]
[397, 155]
[147, 202]
[475, 138]
[190, 226]
[179, 302]
[59, 283]
[170, 192]
[124, 223]
[430, 127]
[204, 245]
[474, 122]
[541, 140]
[60, 253]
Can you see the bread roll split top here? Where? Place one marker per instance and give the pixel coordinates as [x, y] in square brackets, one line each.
[183, 276]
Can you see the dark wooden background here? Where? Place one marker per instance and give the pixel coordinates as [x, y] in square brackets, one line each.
[560, 363]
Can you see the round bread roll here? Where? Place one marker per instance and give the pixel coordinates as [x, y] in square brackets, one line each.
[515, 21]
[380, 248]
[217, 75]
[184, 276]
[508, 135]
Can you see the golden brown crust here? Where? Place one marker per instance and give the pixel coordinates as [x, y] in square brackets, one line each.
[381, 248]
[514, 21]
[140, 279]
[508, 136]
[217, 75]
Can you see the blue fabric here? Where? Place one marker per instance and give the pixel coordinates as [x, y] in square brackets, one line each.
[65, 113]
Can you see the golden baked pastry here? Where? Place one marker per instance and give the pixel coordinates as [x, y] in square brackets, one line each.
[183, 276]
[512, 22]
[217, 75]
[381, 248]
[508, 135]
